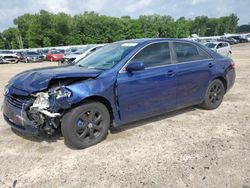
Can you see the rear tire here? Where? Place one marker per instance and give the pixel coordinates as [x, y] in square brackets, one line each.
[214, 95]
[86, 125]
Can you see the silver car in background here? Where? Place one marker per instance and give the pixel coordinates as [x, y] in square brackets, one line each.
[8, 57]
[222, 48]
[79, 54]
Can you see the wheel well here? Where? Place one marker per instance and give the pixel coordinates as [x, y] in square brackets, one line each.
[223, 81]
[101, 100]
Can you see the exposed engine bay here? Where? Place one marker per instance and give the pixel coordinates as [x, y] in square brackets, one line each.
[48, 107]
[43, 96]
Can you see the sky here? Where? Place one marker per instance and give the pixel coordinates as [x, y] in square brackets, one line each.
[176, 8]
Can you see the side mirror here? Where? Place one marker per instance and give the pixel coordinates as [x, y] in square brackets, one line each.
[135, 66]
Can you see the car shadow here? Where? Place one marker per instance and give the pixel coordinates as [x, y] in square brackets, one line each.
[47, 138]
[58, 135]
[160, 117]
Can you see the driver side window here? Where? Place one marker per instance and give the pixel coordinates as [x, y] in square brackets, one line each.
[154, 55]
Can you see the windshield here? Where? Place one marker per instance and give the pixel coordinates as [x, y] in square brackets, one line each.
[81, 51]
[32, 53]
[107, 57]
[56, 52]
[6, 52]
[210, 45]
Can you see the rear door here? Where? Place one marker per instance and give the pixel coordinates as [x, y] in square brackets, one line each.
[150, 91]
[194, 69]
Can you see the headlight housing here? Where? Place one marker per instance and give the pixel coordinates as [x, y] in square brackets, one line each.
[63, 92]
[6, 90]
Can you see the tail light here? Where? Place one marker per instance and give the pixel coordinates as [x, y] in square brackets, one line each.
[232, 65]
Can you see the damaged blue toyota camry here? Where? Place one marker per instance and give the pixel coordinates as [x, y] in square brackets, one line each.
[122, 82]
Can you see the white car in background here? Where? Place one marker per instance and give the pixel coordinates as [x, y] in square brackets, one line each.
[89, 51]
[8, 57]
[222, 48]
[80, 54]
[248, 37]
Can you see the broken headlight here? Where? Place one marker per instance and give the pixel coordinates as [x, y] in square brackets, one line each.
[58, 98]
[63, 92]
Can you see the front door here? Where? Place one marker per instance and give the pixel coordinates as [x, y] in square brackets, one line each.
[150, 91]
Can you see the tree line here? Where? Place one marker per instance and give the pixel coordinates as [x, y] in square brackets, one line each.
[47, 29]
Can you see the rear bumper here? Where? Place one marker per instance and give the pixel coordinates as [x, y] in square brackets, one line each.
[230, 76]
[54, 58]
[57, 59]
[18, 119]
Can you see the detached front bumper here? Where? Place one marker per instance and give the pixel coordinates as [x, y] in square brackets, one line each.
[18, 119]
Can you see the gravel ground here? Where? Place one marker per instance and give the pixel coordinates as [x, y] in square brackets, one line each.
[186, 148]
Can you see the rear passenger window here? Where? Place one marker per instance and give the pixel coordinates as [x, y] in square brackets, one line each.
[224, 44]
[220, 45]
[157, 54]
[189, 52]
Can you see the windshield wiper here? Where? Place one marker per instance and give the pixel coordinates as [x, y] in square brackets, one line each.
[90, 67]
[83, 66]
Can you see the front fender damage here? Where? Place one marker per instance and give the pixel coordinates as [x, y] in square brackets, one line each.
[49, 106]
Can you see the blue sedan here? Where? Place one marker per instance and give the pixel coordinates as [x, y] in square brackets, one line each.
[122, 82]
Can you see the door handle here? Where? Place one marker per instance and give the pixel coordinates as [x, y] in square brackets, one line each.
[210, 65]
[171, 73]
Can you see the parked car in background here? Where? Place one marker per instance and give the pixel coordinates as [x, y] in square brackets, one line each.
[231, 41]
[20, 56]
[235, 41]
[62, 51]
[247, 37]
[44, 53]
[32, 57]
[122, 82]
[240, 39]
[222, 48]
[79, 54]
[70, 50]
[70, 57]
[8, 57]
[54, 56]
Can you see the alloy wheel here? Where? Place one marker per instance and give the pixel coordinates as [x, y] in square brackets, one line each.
[89, 125]
[215, 93]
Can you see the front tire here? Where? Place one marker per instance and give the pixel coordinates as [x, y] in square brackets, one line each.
[214, 95]
[86, 125]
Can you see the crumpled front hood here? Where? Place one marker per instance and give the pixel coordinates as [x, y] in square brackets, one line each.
[38, 79]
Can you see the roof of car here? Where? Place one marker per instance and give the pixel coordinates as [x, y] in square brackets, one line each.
[143, 40]
[217, 42]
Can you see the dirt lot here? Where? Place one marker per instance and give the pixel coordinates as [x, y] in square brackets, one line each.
[186, 148]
